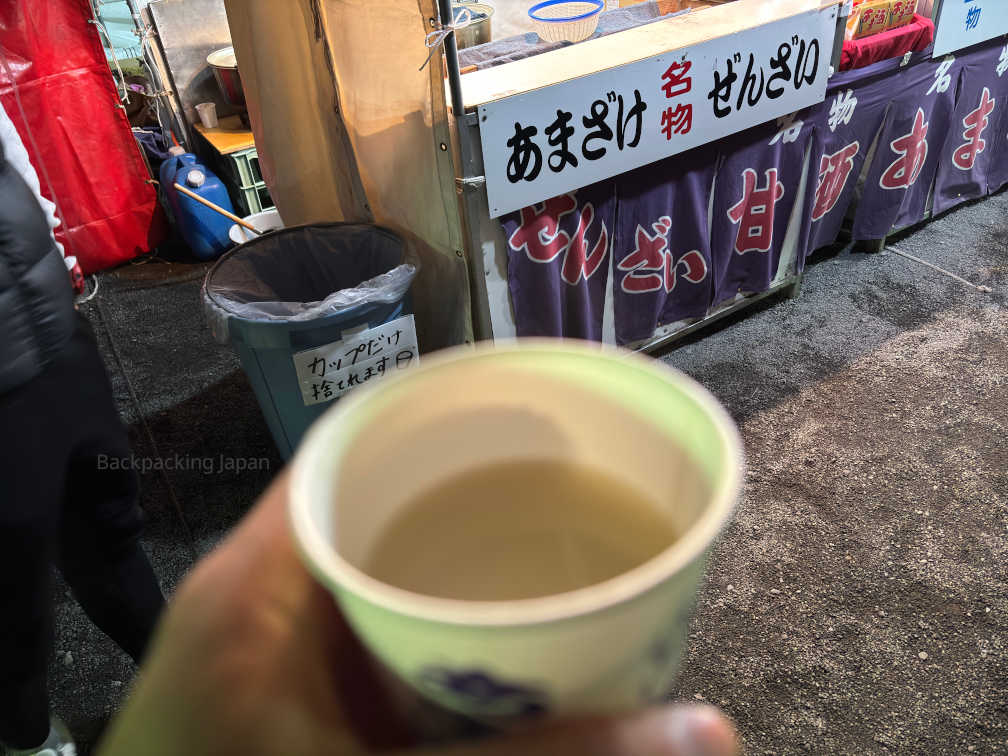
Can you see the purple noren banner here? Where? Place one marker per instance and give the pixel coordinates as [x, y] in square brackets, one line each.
[558, 262]
[846, 124]
[976, 129]
[903, 169]
[997, 175]
[661, 250]
[756, 190]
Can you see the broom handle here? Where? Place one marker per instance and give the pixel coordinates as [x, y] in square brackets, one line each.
[218, 208]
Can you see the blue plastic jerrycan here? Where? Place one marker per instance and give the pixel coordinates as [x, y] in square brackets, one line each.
[203, 229]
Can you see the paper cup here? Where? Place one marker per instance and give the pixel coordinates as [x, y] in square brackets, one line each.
[207, 112]
[608, 647]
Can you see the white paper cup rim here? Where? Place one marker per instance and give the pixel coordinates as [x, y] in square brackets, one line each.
[335, 572]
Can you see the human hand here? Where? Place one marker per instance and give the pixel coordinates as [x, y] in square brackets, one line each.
[254, 658]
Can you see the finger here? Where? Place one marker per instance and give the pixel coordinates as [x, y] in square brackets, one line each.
[668, 731]
[264, 526]
[260, 554]
[258, 551]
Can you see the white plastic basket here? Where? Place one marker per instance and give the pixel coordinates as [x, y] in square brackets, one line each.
[566, 20]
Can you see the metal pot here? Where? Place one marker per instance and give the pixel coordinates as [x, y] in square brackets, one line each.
[225, 69]
[477, 31]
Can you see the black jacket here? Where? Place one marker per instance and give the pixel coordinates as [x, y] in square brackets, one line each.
[36, 299]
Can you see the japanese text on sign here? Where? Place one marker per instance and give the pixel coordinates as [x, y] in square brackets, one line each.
[329, 371]
[526, 158]
[962, 23]
[728, 98]
[544, 143]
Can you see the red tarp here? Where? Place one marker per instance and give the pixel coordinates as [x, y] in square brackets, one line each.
[914, 37]
[84, 141]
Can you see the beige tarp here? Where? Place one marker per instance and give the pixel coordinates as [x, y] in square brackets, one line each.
[348, 129]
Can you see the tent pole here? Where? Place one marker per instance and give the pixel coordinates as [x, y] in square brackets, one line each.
[451, 59]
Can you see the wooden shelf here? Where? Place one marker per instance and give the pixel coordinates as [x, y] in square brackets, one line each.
[227, 140]
[584, 58]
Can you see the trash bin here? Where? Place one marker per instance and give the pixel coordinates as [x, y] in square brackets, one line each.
[291, 299]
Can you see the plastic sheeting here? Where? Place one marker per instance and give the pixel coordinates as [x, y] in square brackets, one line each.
[308, 272]
[349, 128]
[304, 151]
[386, 288]
[75, 133]
[118, 21]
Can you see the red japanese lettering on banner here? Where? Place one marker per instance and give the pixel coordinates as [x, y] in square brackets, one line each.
[646, 263]
[540, 237]
[755, 212]
[539, 234]
[975, 122]
[693, 266]
[652, 267]
[578, 261]
[834, 171]
[912, 149]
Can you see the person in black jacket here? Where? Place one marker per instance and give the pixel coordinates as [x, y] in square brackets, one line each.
[59, 504]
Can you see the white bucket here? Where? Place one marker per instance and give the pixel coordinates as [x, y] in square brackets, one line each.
[267, 220]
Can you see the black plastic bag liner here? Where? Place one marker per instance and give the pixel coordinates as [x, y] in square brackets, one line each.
[307, 272]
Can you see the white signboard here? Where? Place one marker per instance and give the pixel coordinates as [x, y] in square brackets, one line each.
[543, 143]
[962, 23]
[329, 371]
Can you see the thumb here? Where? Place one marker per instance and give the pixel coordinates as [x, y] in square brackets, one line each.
[666, 731]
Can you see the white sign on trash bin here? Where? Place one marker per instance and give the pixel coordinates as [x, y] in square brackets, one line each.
[327, 372]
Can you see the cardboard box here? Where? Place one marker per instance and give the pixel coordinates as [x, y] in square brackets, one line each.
[901, 13]
[868, 17]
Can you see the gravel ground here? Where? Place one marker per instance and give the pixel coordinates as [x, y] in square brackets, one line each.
[856, 604]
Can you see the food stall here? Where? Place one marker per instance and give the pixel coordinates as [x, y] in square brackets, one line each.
[608, 233]
[629, 188]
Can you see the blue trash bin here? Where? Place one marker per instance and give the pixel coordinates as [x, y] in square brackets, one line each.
[298, 288]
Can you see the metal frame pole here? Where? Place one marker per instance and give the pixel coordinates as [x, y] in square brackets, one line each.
[451, 59]
[838, 38]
